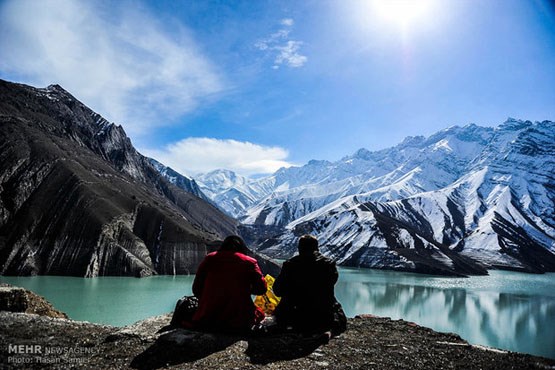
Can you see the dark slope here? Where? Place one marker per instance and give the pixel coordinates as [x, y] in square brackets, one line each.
[77, 199]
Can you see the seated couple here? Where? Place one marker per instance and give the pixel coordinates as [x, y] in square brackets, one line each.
[226, 279]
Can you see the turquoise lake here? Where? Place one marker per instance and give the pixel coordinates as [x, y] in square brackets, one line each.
[507, 310]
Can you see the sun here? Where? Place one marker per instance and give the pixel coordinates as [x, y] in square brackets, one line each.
[402, 12]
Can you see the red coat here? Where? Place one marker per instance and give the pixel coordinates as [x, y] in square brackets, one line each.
[224, 283]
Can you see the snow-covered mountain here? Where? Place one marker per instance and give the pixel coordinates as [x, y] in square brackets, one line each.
[234, 193]
[178, 179]
[460, 200]
[414, 166]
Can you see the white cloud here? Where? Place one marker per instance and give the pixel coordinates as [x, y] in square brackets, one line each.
[120, 61]
[289, 54]
[284, 51]
[287, 22]
[200, 155]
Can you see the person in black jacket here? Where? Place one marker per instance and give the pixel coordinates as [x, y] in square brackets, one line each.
[306, 287]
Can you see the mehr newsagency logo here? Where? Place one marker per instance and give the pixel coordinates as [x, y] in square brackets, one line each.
[22, 354]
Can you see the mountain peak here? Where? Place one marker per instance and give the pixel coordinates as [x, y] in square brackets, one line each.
[221, 178]
[56, 91]
[514, 124]
[413, 140]
[55, 87]
[222, 171]
[362, 153]
[316, 162]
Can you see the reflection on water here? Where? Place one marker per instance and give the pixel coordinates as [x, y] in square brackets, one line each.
[506, 309]
[492, 313]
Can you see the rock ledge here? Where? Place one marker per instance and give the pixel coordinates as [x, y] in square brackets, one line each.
[32, 341]
[16, 299]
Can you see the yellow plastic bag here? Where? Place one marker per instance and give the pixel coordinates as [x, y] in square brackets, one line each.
[268, 301]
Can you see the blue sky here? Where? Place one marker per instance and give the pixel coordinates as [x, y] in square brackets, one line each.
[255, 85]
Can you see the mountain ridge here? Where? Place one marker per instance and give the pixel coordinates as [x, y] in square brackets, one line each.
[483, 194]
[76, 198]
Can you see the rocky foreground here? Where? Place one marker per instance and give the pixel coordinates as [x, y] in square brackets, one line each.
[30, 340]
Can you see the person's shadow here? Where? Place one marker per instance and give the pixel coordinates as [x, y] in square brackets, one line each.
[180, 346]
[282, 347]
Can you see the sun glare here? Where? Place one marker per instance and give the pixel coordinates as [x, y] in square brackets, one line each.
[402, 12]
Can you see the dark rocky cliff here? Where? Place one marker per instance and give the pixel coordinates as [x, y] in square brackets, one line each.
[76, 198]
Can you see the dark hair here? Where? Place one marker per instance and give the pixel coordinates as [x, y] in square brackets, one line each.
[234, 243]
[308, 244]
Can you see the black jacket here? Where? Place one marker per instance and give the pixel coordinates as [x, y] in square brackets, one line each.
[306, 287]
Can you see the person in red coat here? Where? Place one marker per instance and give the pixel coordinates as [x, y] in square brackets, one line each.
[224, 283]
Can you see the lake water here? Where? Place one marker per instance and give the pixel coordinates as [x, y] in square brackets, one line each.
[506, 310]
